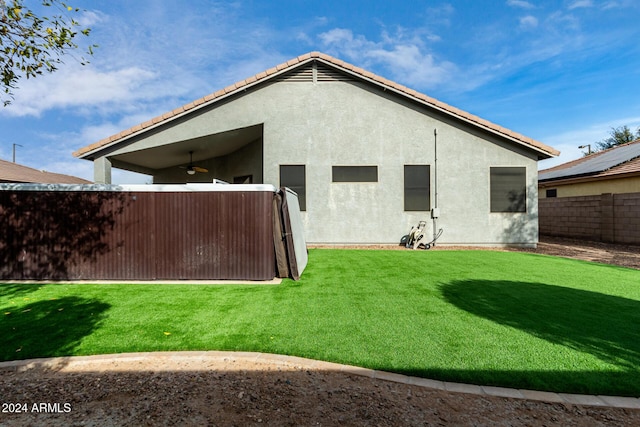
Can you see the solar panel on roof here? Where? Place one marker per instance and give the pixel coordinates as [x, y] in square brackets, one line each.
[598, 163]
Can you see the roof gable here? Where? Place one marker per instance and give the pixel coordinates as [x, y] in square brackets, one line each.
[328, 69]
[619, 159]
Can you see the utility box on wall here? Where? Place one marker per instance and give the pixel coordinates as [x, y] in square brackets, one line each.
[142, 232]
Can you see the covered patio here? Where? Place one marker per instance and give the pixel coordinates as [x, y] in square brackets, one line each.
[234, 156]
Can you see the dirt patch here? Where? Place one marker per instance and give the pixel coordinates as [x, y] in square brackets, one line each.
[155, 390]
[606, 253]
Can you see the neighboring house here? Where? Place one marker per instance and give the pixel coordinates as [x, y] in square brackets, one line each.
[369, 158]
[596, 197]
[13, 172]
[616, 171]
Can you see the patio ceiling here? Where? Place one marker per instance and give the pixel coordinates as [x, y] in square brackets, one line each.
[148, 160]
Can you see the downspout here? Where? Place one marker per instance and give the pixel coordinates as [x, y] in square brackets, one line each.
[435, 212]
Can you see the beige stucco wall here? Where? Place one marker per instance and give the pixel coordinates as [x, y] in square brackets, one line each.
[593, 188]
[344, 123]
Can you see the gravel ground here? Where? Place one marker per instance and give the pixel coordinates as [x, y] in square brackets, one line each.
[605, 253]
[156, 390]
[231, 392]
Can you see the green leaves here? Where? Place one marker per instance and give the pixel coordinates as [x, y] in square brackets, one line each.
[31, 45]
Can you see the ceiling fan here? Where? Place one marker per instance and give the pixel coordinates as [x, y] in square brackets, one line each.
[191, 168]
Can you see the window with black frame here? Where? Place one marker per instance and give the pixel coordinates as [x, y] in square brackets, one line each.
[417, 185]
[354, 174]
[293, 177]
[508, 188]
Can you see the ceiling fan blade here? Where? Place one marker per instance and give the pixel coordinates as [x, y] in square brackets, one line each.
[199, 169]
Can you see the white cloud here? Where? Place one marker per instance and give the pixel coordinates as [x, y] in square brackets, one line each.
[521, 4]
[619, 4]
[79, 168]
[53, 150]
[150, 58]
[90, 18]
[557, 36]
[74, 87]
[403, 55]
[562, 24]
[413, 66]
[528, 22]
[440, 15]
[94, 133]
[580, 4]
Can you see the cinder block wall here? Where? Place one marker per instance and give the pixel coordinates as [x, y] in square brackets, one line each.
[627, 218]
[612, 218]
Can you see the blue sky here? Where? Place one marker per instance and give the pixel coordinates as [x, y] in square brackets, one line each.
[563, 72]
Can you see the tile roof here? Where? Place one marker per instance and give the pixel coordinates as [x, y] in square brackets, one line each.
[622, 159]
[356, 71]
[13, 172]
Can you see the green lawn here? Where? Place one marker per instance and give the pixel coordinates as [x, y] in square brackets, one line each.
[493, 318]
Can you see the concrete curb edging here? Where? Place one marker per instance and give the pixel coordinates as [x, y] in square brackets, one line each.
[68, 363]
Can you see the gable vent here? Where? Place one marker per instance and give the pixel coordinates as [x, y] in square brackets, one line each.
[328, 74]
[321, 72]
[304, 74]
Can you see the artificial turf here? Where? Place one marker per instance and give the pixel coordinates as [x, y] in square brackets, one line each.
[484, 317]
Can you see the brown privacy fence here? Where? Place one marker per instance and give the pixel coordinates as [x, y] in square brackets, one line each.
[611, 218]
[144, 235]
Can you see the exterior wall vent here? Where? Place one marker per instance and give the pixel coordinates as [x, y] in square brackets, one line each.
[313, 73]
[301, 75]
[328, 74]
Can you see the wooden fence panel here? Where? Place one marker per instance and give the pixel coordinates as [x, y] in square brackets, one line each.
[102, 235]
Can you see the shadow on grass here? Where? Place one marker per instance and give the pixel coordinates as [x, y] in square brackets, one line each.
[602, 325]
[48, 328]
[17, 290]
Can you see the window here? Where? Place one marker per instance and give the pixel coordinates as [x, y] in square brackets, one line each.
[508, 189]
[417, 186]
[355, 173]
[552, 192]
[244, 179]
[293, 176]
